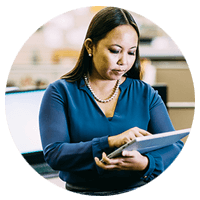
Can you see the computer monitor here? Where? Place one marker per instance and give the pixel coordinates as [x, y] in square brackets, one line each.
[22, 113]
[162, 91]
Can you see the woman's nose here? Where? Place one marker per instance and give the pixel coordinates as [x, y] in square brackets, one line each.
[122, 60]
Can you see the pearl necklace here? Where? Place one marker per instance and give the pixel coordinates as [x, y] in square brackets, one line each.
[95, 96]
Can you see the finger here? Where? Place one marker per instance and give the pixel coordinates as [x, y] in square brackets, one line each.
[138, 134]
[126, 153]
[99, 163]
[108, 161]
[144, 132]
[105, 159]
[104, 166]
[130, 137]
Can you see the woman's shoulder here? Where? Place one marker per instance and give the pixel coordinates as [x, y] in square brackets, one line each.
[140, 87]
[139, 83]
[147, 91]
[62, 87]
[62, 83]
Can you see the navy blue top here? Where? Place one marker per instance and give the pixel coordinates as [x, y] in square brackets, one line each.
[74, 130]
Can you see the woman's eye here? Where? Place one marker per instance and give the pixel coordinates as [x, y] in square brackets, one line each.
[131, 53]
[114, 51]
[118, 51]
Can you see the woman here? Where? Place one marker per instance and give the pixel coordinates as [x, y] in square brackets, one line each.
[99, 106]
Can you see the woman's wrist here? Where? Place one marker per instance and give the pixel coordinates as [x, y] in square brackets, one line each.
[111, 142]
[145, 163]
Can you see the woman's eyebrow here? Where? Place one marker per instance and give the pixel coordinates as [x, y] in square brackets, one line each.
[122, 47]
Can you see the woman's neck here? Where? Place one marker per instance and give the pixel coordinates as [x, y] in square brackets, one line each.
[103, 88]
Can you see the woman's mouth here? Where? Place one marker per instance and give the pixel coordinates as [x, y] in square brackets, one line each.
[119, 71]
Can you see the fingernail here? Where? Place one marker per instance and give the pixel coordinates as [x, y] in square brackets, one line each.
[96, 159]
[124, 153]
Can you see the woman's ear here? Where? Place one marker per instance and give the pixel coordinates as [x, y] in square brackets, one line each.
[89, 46]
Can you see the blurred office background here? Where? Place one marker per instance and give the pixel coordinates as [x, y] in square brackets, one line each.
[54, 48]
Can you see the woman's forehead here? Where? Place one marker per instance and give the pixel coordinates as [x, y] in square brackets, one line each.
[124, 34]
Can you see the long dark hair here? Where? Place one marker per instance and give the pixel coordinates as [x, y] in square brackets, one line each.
[102, 23]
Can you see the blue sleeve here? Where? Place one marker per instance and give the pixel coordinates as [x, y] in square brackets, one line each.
[59, 153]
[160, 122]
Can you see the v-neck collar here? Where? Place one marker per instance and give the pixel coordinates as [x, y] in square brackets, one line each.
[123, 86]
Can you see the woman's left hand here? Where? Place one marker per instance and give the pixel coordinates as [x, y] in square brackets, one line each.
[130, 160]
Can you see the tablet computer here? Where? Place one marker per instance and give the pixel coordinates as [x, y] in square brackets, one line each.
[152, 142]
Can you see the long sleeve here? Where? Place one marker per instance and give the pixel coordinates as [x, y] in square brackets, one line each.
[58, 150]
[160, 159]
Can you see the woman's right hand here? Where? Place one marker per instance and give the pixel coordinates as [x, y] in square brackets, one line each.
[125, 137]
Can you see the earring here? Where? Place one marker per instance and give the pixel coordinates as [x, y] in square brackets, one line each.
[90, 54]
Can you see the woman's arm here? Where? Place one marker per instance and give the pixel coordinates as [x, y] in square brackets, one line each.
[159, 123]
[59, 153]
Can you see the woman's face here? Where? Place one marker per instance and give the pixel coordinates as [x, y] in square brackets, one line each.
[115, 54]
